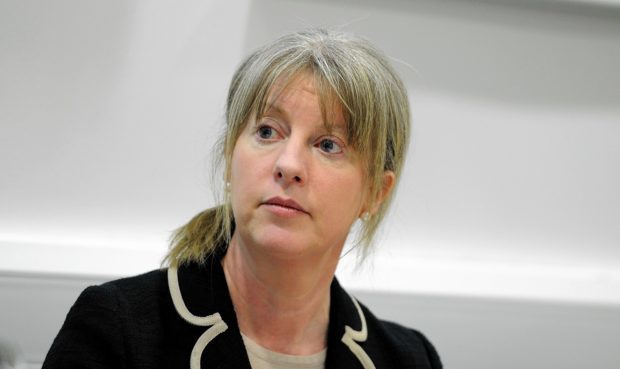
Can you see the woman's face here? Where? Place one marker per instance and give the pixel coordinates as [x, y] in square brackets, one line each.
[296, 188]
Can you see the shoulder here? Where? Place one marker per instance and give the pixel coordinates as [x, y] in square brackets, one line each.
[405, 345]
[136, 290]
[372, 340]
[107, 322]
[133, 322]
[132, 293]
[151, 293]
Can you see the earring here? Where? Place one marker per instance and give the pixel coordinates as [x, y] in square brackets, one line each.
[227, 186]
[365, 216]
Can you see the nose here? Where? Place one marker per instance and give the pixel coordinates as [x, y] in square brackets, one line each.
[290, 166]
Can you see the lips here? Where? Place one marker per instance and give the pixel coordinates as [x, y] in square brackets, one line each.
[285, 203]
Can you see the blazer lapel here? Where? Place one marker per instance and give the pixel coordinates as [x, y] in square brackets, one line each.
[346, 333]
[216, 340]
[203, 291]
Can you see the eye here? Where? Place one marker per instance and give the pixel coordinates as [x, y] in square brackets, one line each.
[330, 146]
[266, 132]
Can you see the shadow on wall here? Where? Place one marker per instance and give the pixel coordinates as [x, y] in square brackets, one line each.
[11, 356]
[482, 332]
[534, 53]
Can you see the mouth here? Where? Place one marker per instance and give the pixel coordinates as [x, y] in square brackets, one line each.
[289, 205]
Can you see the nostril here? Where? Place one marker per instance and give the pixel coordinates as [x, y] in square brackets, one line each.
[297, 179]
[279, 174]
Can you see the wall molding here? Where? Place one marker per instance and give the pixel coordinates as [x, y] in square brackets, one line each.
[428, 275]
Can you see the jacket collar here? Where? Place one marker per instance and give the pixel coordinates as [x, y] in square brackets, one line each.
[200, 296]
[347, 330]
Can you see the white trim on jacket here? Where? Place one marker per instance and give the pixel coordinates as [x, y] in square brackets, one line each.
[215, 321]
[351, 337]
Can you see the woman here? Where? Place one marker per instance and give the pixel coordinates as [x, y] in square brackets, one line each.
[317, 128]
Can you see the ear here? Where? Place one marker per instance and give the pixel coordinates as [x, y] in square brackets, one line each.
[389, 179]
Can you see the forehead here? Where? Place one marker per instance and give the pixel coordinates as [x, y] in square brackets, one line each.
[284, 95]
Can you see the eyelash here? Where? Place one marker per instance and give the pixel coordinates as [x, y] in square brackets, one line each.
[334, 140]
[261, 127]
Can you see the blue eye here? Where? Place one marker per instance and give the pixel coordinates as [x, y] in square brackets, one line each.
[330, 146]
[266, 132]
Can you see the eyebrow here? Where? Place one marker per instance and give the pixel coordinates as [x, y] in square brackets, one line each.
[336, 127]
[273, 105]
[330, 126]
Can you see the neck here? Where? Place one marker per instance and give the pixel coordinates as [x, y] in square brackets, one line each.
[282, 304]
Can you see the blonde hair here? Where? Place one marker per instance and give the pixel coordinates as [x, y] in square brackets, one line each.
[350, 74]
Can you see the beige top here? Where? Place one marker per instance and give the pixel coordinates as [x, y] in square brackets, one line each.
[261, 358]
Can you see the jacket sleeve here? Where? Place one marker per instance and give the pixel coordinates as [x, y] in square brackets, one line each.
[410, 347]
[433, 356]
[92, 334]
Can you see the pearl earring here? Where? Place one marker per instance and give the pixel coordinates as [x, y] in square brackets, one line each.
[365, 216]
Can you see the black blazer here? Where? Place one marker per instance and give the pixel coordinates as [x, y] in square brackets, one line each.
[184, 318]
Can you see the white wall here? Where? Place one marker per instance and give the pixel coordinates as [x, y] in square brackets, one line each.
[108, 111]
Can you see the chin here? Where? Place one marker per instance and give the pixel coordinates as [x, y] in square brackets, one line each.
[281, 242]
[287, 244]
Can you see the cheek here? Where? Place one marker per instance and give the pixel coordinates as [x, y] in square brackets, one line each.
[343, 195]
[238, 180]
[247, 169]
[241, 162]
